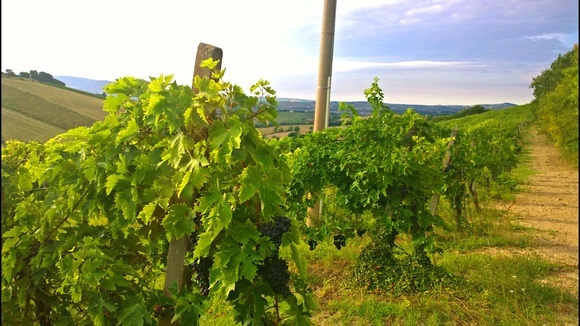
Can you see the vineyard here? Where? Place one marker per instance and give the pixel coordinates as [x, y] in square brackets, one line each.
[89, 218]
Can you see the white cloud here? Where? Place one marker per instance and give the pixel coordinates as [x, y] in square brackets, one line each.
[344, 65]
[409, 43]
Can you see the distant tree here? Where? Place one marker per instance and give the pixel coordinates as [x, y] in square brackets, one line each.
[47, 78]
[34, 74]
[10, 73]
[476, 109]
[297, 129]
[24, 74]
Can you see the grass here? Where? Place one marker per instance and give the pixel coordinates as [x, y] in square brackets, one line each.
[16, 125]
[90, 106]
[490, 290]
[295, 118]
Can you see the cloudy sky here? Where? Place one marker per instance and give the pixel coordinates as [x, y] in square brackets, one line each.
[423, 51]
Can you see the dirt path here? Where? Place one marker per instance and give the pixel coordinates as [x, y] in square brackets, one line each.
[549, 205]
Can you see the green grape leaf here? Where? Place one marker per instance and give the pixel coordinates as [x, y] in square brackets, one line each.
[225, 140]
[179, 221]
[267, 184]
[134, 314]
[130, 131]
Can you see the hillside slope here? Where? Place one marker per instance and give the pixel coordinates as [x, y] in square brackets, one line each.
[36, 111]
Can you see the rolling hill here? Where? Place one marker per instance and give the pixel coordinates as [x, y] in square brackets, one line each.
[84, 84]
[37, 111]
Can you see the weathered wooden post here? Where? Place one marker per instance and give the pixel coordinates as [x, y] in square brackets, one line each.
[446, 160]
[175, 271]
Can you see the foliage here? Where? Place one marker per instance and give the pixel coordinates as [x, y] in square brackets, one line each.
[476, 109]
[551, 77]
[390, 166]
[35, 75]
[87, 216]
[387, 166]
[556, 103]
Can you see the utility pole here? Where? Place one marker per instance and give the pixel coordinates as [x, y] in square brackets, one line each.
[325, 66]
[322, 108]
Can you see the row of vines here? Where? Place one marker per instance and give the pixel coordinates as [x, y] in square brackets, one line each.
[88, 216]
[384, 174]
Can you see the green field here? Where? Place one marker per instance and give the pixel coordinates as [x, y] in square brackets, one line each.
[297, 118]
[36, 111]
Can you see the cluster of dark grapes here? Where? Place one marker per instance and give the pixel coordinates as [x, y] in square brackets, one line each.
[275, 272]
[339, 241]
[275, 230]
[312, 244]
[192, 241]
[201, 269]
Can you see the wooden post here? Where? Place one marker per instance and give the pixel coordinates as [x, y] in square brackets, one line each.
[204, 52]
[446, 160]
[175, 271]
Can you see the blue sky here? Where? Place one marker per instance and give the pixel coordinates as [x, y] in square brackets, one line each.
[462, 52]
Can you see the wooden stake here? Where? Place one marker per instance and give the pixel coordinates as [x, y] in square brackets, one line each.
[175, 271]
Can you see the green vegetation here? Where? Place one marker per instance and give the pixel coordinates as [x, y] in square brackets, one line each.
[476, 109]
[42, 76]
[89, 217]
[556, 103]
[294, 118]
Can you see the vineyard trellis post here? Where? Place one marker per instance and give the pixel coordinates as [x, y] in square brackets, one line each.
[175, 271]
[446, 161]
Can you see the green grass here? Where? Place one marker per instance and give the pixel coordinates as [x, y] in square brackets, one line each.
[23, 127]
[54, 114]
[295, 118]
[489, 290]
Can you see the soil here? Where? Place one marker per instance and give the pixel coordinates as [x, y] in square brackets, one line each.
[548, 205]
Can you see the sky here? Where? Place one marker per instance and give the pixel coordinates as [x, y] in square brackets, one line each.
[448, 52]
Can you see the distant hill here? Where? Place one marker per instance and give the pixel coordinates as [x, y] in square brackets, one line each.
[84, 84]
[32, 110]
[300, 105]
[364, 108]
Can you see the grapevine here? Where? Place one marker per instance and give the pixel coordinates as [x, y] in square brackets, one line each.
[339, 241]
[89, 214]
[276, 229]
[201, 269]
[275, 272]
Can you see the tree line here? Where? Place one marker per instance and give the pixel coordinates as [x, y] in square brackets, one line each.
[35, 75]
[555, 103]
